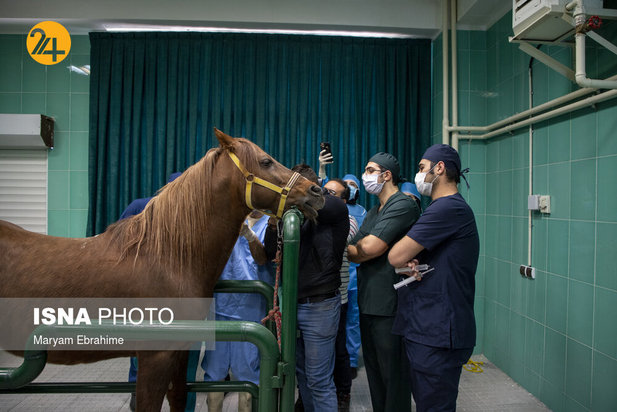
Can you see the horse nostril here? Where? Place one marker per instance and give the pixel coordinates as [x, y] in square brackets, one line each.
[316, 189]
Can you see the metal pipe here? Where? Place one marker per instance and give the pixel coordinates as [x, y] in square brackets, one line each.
[453, 6]
[188, 331]
[32, 366]
[548, 115]
[581, 74]
[578, 12]
[445, 134]
[126, 387]
[530, 112]
[529, 223]
[292, 221]
[570, 6]
[249, 286]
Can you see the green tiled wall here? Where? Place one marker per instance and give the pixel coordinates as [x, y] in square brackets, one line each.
[29, 87]
[555, 335]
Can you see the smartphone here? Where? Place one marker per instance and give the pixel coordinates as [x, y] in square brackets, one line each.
[325, 146]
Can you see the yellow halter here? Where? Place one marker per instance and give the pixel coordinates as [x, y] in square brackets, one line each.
[251, 178]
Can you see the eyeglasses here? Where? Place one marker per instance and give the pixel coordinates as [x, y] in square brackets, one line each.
[370, 170]
[332, 192]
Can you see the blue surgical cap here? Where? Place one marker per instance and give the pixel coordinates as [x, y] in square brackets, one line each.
[444, 153]
[352, 178]
[410, 188]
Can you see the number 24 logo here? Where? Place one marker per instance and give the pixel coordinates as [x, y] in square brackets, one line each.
[53, 45]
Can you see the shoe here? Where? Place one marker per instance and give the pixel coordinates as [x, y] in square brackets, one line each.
[354, 373]
[132, 402]
[343, 401]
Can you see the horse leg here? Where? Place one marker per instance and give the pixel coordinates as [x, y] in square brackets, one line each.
[177, 393]
[154, 372]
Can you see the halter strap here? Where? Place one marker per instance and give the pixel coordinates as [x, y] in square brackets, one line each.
[251, 178]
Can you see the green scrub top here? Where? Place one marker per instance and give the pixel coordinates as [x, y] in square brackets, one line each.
[376, 277]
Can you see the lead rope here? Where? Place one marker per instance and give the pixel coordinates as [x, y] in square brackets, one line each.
[275, 313]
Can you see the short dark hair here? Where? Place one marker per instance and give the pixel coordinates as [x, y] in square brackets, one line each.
[306, 171]
[345, 194]
[451, 174]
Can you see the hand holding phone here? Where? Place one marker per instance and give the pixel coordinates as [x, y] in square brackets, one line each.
[325, 154]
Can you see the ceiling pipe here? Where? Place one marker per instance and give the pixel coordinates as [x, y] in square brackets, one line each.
[453, 10]
[578, 12]
[530, 112]
[589, 86]
[548, 115]
[445, 134]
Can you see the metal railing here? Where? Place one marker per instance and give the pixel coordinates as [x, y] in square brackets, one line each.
[276, 390]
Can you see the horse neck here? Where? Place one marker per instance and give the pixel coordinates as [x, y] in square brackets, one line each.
[192, 226]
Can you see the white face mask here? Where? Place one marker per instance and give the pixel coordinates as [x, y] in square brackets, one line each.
[371, 185]
[424, 188]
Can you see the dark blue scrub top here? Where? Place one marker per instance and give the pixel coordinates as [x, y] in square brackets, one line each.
[438, 310]
[135, 207]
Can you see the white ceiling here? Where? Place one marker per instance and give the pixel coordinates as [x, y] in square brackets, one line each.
[421, 18]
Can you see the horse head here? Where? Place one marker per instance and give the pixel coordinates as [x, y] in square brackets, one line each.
[270, 186]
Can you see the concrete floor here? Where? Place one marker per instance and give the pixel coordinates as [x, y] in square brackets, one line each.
[489, 391]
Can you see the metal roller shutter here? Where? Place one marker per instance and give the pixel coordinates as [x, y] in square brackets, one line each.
[23, 188]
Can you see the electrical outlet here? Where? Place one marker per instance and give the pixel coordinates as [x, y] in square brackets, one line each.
[545, 204]
[522, 270]
[530, 272]
[527, 271]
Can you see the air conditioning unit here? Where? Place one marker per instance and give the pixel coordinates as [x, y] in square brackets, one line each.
[26, 131]
[543, 20]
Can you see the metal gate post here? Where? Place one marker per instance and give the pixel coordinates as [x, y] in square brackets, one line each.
[291, 246]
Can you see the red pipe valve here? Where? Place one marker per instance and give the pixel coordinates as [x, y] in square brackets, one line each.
[594, 22]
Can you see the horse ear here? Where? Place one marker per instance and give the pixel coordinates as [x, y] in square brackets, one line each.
[226, 141]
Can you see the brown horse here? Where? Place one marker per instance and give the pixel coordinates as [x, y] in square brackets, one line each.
[177, 247]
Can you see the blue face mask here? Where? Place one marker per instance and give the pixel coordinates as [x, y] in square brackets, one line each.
[352, 192]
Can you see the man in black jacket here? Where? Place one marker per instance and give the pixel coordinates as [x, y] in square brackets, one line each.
[322, 244]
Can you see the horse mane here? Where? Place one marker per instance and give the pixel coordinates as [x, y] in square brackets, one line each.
[171, 228]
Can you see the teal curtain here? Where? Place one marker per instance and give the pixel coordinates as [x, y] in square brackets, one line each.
[155, 98]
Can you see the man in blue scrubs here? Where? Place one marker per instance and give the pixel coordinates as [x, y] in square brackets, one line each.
[435, 316]
[247, 261]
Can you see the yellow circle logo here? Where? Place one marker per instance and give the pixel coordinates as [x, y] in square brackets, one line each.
[48, 43]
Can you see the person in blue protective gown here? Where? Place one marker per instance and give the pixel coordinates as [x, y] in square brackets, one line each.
[411, 190]
[134, 208]
[247, 262]
[353, 313]
[436, 315]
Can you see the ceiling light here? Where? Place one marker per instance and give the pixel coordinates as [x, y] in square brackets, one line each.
[150, 28]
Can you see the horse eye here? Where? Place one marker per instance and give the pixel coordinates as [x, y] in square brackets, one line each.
[266, 162]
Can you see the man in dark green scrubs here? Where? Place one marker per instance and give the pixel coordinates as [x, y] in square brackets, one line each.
[386, 223]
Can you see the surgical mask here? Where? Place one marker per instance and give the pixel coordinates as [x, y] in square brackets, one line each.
[352, 192]
[424, 188]
[371, 185]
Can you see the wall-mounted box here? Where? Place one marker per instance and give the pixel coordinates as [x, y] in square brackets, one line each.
[543, 20]
[26, 131]
[541, 203]
[533, 202]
